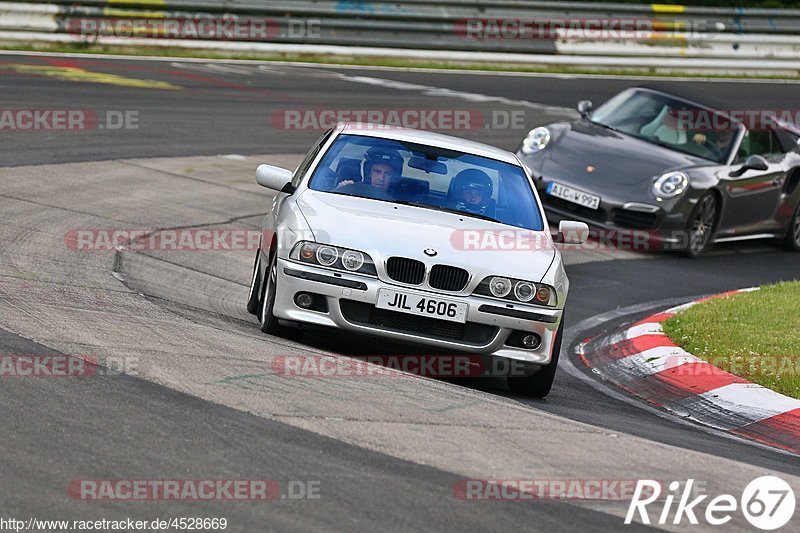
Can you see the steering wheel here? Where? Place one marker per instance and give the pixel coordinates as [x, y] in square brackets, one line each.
[706, 144]
[364, 190]
[712, 149]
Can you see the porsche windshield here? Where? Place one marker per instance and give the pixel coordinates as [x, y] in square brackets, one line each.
[428, 177]
[670, 122]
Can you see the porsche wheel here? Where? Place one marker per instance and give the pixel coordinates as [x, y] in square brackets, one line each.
[792, 239]
[700, 230]
[539, 384]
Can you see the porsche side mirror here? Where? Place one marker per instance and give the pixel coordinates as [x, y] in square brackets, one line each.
[754, 162]
[585, 108]
[571, 232]
[275, 178]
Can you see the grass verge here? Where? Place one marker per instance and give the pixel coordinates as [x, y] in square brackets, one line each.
[755, 335]
[154, 51]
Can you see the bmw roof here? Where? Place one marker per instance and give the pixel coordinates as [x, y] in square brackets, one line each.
[428, 138]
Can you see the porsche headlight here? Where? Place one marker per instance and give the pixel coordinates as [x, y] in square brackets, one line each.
[536, 140]
[670, 185]
[333, 257]
[517, 290]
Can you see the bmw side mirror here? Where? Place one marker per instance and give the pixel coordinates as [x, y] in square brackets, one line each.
[275, 178]
[570, 232]
[585, 108]
[754, 162]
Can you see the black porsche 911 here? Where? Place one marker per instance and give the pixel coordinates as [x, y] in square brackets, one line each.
[687, 174]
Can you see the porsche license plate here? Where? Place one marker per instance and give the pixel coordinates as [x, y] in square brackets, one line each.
[415, 304]
[575, 196]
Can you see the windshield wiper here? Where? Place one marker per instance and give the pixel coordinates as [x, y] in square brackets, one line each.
[448, 210]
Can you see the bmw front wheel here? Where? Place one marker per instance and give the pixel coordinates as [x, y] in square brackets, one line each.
[539, 384]
[255, 286]
[269, 324]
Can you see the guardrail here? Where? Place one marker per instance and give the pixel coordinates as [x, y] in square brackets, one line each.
[500, 27]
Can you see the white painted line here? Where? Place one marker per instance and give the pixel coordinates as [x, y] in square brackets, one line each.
[429, 90]
[686, 306]
[213, 68]
[655, 360]
[750, 400]
[680, 308]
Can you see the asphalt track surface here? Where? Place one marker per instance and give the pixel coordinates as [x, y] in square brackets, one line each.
[149, 427]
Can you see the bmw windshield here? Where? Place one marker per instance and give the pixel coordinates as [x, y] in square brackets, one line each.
[670, 122]
[430, 178]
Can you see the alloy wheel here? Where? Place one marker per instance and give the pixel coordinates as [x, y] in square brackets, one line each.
[703, 225]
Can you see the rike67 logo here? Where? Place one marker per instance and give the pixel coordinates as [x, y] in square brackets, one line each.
[767, 503]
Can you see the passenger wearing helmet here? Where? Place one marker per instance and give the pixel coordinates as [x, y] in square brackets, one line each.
[471, 191]
[382, 168]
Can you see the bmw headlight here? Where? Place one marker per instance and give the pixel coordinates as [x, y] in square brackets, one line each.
[670, 185]
[352, 260]
[524, 291]
[536, 140]
[500, 287]
[333, 257]
[517, 290]
[326, 255]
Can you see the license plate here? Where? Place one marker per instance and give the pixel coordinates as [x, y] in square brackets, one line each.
[415, 304]
[575, 196]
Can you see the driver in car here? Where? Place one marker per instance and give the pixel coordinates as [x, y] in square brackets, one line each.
[472, 192]
[382, 168]
[716, 142]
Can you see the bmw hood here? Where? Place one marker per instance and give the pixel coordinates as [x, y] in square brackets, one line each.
[585, 154]
[385, 229]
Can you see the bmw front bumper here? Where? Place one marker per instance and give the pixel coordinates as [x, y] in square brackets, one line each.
[350, 305]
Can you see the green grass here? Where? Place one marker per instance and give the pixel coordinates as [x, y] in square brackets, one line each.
[754, 335]
[102, 49]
